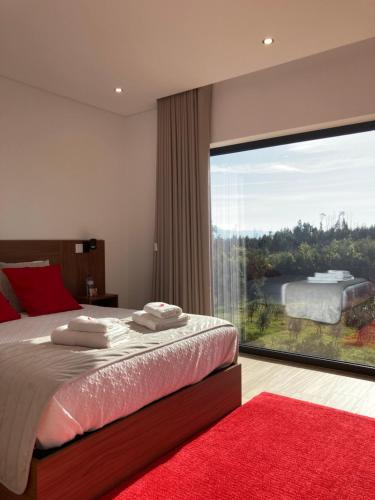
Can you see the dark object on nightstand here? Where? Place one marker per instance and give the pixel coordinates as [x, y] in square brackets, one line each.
[104, 300]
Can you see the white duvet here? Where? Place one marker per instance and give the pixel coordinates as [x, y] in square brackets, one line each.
[122, 388]
[351, 296]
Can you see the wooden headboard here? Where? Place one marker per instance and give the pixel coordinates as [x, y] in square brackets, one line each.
[75, 267]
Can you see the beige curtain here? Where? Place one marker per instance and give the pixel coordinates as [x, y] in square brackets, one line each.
[182, 258]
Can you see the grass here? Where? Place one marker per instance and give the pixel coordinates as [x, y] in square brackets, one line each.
[306, 337]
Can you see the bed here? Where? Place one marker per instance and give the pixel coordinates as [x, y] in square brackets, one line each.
[102, 427]
[324, 302]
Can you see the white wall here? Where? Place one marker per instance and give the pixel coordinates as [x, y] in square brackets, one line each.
[330, 88]
[68, 170]
[72, 171]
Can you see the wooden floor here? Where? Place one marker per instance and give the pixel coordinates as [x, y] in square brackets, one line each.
[347, 391]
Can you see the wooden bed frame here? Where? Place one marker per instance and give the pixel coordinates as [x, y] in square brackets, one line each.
[91, 465]
[95, 463]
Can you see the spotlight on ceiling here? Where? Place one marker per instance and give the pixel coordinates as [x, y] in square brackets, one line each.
[118, 90]
[268, 41]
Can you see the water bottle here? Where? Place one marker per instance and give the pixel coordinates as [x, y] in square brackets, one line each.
[89, 285]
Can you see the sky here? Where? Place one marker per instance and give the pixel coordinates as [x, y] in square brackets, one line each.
[272, 188]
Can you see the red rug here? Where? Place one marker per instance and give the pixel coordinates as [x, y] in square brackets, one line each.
[271, 448]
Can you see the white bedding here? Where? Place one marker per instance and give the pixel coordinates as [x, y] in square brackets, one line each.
[122, 388]
[351, 296]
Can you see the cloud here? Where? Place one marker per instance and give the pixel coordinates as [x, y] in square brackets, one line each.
[313, 146]
[280, 167]
[308, 167]
[259, 168]
[277, 198]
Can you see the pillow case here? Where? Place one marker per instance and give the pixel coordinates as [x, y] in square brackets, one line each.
[6, 288]
[41, 290]
[7, 313]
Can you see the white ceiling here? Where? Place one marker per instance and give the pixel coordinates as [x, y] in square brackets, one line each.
[82, 49]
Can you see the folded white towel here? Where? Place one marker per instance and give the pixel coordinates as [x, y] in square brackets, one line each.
[63, 335]
[95, 325]
[316, 279]
[153, 323]
[330, 277]
[341, 272]
[162, 310]
[341, 275]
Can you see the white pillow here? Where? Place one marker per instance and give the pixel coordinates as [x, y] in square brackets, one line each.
[5, 286]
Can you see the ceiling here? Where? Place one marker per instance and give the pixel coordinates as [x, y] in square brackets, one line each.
[82, 49]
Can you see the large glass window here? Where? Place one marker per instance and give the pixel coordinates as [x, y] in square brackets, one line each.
[294, 243]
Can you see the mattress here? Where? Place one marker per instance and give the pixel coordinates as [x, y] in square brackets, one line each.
[122, 388]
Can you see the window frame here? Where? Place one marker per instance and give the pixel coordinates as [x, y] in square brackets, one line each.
[324, 133]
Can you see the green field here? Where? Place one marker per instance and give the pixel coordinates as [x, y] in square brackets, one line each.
[337, 342]
[313, 339]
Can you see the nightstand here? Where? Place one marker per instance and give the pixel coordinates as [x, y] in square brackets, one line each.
[104, 300]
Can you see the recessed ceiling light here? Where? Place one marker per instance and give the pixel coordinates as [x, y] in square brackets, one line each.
[268, 41]
[118, 90]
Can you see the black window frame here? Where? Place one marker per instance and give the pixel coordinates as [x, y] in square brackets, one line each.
[324, 133]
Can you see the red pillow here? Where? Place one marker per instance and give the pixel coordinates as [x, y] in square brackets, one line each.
[41, 290]
[7, 313]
